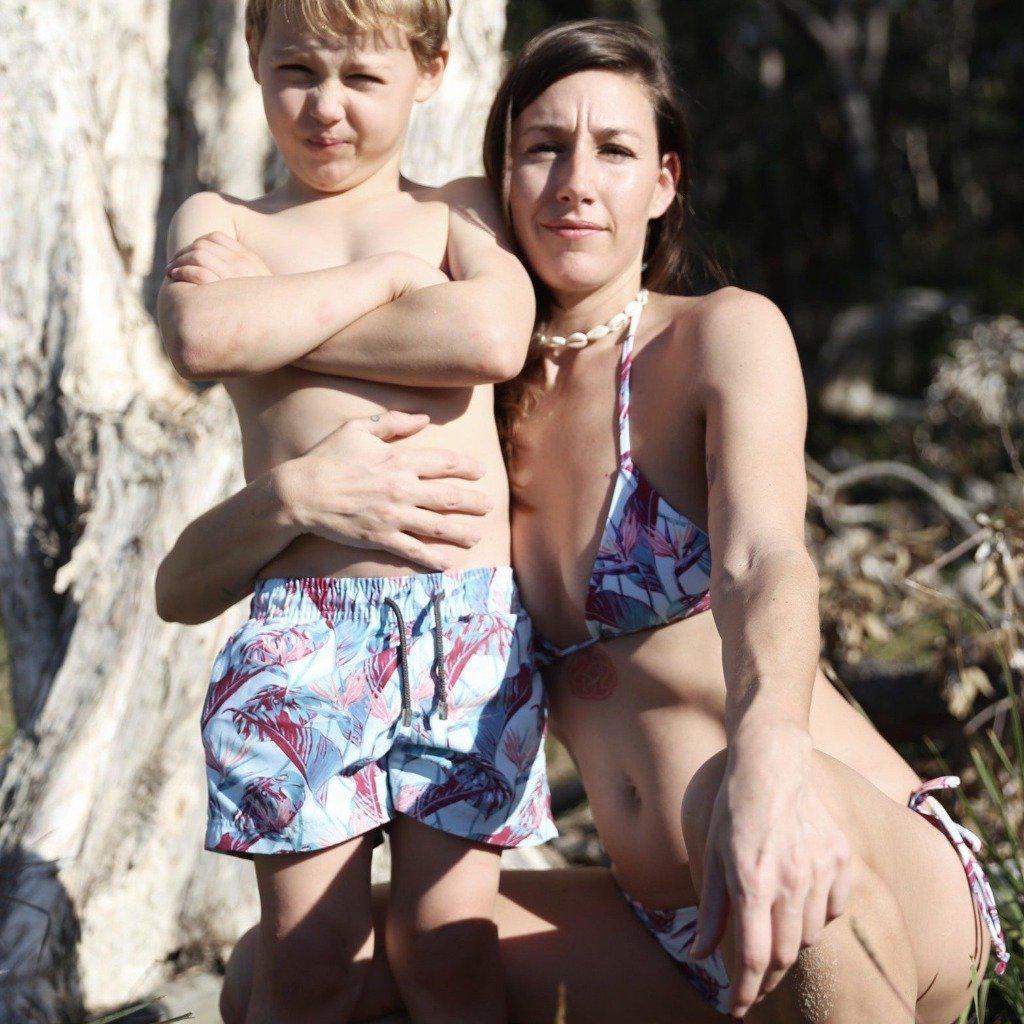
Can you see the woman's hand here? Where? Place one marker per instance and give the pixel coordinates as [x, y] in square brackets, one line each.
[355, 488]
[214, 257]
[775, 860]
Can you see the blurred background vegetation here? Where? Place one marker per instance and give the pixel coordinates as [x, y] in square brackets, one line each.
[860, 163]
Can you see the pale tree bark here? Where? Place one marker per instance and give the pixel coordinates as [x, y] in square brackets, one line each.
[111, 112]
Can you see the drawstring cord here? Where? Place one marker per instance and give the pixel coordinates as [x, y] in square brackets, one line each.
[442, 682]
[403, 659]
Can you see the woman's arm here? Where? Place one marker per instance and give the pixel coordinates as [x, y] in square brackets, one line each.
[352, 488]
[771, 843]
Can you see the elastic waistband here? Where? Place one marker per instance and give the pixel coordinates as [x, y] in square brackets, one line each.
[294, 600]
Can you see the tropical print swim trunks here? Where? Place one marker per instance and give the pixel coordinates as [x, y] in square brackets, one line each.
[343, 702]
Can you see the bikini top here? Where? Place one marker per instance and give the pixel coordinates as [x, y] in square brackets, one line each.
[653, 564]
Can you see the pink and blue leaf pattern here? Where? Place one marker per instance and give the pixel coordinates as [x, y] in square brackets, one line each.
[674, 930]
[302, 727]
[653, 564]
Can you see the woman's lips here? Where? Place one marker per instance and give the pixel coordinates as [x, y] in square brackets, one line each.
[571, 229]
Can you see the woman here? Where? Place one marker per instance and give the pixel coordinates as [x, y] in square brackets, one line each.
[720, 767]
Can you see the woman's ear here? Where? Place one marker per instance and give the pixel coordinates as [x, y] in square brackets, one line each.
[668, 182]
[432, 74]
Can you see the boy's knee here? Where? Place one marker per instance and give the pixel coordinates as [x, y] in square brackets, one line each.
[308, 967]
[440, 959]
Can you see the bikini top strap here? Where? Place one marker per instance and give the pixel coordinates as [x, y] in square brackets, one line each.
[625, 374]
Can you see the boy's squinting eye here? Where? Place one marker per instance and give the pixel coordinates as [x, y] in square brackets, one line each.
[295, 68]
[365, 78]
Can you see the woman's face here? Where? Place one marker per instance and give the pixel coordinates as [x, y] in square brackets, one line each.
[586, 178]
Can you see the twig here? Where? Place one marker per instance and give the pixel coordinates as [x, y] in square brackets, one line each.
[953, 506]
[999, 707]
[560, 1007]
[954, 553]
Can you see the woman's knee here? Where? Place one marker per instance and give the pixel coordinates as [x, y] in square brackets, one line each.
[860, 969]
[238, 975]
[698, 803]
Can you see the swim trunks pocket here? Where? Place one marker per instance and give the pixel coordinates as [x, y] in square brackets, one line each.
[262, 659]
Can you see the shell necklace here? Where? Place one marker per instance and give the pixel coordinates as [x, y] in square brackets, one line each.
[580, 339]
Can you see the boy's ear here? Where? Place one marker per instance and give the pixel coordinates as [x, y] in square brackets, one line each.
[254, 54]
[432, 74]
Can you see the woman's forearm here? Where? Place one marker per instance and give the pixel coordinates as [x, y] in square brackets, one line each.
[217, 557]
[767, 616]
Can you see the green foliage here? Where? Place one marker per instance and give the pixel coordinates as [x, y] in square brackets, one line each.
[994, 815]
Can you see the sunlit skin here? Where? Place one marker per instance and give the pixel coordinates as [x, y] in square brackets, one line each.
[586, 179]
[338, 114]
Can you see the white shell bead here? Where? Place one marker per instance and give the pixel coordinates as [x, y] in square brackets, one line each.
[579, 339]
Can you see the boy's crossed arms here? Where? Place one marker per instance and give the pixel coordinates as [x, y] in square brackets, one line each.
[388, 317]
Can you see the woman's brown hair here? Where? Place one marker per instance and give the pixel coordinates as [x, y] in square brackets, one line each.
[554, 54]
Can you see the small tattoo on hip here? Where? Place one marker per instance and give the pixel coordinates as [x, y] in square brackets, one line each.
[590, 674]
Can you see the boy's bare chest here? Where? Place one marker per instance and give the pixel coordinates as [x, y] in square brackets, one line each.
[311, 238]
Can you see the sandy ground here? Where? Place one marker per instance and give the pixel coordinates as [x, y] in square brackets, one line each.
[197, 993]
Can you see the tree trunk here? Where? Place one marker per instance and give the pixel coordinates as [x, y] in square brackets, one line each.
[110, 114]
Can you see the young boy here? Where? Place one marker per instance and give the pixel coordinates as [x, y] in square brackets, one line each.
[359, 693]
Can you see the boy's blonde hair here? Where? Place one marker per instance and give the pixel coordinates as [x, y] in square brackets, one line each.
[424, 21]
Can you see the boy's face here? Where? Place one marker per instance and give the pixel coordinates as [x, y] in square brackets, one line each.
[338, 110]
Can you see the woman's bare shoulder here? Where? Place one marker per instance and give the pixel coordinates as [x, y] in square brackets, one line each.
[731, 331]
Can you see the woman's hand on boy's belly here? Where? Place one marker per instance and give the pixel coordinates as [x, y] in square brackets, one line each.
[356, 488]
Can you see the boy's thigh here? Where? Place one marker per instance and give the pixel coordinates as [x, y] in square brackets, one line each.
[315, 901]
[437, 878]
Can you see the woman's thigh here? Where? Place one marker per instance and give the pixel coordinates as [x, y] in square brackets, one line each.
[571, 931]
